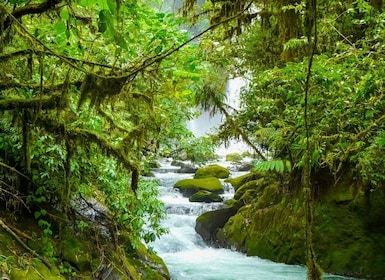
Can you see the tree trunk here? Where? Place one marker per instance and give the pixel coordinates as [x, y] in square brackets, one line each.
[289, 27]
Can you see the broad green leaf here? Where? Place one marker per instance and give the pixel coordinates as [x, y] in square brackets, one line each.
[60, 27]
[112, 6]
[64, 14]
[37, 214]
[104, 21]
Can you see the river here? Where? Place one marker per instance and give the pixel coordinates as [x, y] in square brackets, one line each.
[189, 258]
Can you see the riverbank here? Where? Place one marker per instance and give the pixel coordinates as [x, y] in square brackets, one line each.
[62, 250]
[269, 222]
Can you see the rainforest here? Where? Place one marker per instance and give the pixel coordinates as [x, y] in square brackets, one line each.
[94, 92]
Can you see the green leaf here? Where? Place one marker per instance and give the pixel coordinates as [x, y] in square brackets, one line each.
[112, 6]
[60, 27]
[37, 214]
[104, 20]
[158, 49]
[120, 40]
[279, 166]
[64, 14]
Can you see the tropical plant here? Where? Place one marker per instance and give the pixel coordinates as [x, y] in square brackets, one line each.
[90, 91]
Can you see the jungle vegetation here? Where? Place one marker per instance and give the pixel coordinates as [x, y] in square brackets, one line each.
[91, 91]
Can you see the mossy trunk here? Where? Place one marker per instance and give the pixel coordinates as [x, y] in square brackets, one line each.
[289, 27]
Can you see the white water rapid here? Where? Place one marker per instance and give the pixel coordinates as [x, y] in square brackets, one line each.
[189, 258]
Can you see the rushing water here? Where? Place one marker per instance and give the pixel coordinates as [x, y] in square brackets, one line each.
[189, 258]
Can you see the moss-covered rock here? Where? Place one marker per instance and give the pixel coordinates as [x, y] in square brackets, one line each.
[210, 222]
[348, 235]
[214, 170]
[241, 180]
[77, 251]
[190, 186]
[205, 196]
[234, 157]
[248, 186]
[149, 265]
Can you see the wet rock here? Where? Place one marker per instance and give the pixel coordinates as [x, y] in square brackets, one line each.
[190, 186]
[210, 222]
[214, 170]
[205, 196]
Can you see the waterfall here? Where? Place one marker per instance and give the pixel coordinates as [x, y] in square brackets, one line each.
[189, 258]
[205, 123]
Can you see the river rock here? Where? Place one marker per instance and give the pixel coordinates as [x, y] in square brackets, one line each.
[187, 168]
[213, 170]
[234, 157]
[210, 222]
[270, 224]
[244, 166]
[205, 196]
[190, 186]
[239, 181]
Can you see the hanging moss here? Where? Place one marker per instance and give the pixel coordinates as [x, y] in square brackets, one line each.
[98, 88]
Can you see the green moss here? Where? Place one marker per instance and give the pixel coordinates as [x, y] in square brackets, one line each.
[146, 262]
[241, 180]
[190, 186]
[249, 185]
[214, 170]
[234, 157]
[35, 271]
[77, 251]
[269, 196]
[205, 196]
[346, 239]
[78, 254]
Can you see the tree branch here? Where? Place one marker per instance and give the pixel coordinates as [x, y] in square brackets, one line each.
[25, 246]
[29, 9]
[160, 57]
[52, 102]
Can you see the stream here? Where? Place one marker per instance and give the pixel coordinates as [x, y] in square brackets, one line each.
[188, 257]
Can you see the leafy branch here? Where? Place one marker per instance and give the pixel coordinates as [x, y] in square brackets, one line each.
[28, 9]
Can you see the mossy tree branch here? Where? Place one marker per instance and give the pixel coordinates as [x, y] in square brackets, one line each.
[29, 9]
[52, 102]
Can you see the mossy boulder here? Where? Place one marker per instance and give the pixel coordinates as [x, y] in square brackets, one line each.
[348, 229]
[205, 196]
[210, 222]
[213, 170]
[190, 186]
[241, 180]
[234, 157]
[248, 186]
[146, 262]
[77, 251]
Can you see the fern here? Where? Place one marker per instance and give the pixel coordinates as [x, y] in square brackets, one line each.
[277, 165]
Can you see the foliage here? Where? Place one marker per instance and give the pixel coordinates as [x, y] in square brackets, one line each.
[90, 91]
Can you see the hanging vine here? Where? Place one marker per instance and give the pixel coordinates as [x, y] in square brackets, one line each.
[314, 272]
